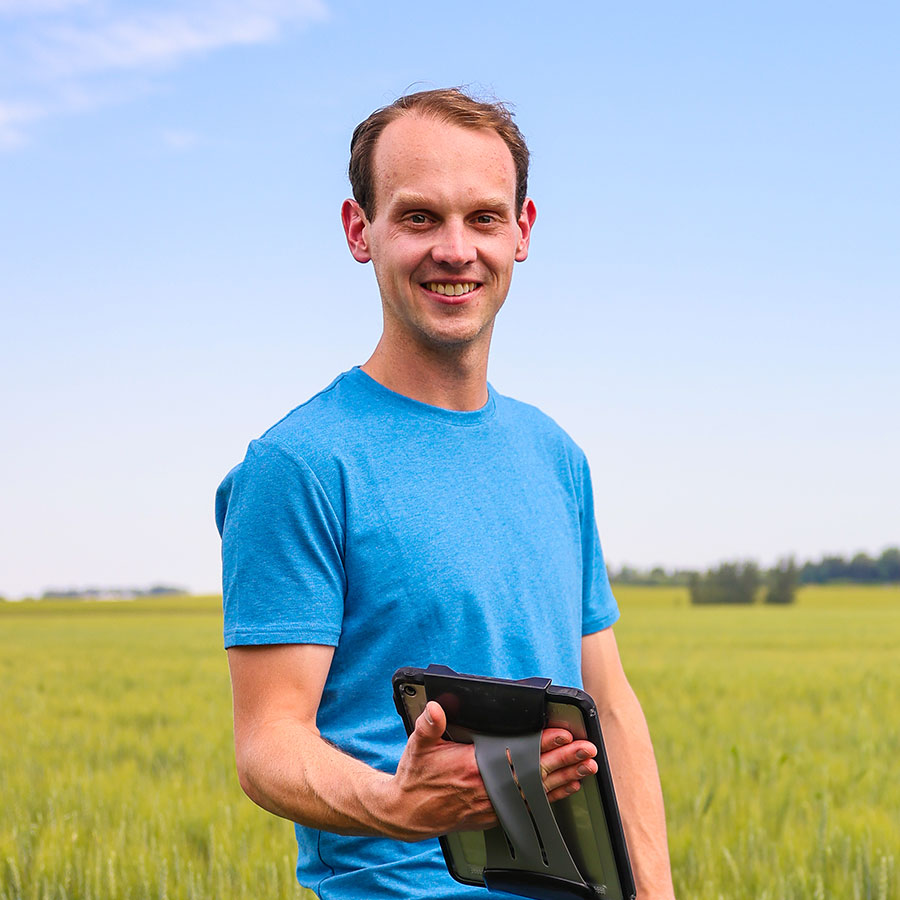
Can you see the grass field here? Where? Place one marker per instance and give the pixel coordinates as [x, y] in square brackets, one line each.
[775, 730]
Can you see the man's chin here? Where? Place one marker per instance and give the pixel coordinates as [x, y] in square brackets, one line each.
[457, 339]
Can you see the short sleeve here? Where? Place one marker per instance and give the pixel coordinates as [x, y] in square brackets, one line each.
[283, 579]
[599, 607]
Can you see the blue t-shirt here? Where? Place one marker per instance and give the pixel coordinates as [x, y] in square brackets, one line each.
[405, 534]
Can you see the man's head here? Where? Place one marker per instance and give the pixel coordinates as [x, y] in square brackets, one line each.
[449, 225]
[448, 105]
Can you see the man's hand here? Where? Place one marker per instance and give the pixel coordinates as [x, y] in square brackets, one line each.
[438, 788]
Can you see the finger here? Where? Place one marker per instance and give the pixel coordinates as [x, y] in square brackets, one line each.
[570, 774]
[565, 790]
[554, 737]
[431, 724]
[567, 755]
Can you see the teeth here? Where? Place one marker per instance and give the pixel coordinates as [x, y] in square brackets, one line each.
[451, 290]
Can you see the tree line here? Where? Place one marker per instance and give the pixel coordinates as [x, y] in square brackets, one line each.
[744, 582]
[110, 593]
[862, 569]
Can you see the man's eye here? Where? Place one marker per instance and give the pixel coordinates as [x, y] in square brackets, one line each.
[484, 219]
[417, 219]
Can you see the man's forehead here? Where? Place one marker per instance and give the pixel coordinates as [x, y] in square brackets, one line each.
[415, 154]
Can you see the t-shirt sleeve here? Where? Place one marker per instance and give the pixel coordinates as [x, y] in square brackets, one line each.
[283, 579]
[599, 607]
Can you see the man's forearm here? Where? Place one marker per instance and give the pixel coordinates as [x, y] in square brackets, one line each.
[289, 770]
[632, 763]
[639, 794]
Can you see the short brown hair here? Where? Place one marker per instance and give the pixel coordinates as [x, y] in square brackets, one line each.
[450, 105]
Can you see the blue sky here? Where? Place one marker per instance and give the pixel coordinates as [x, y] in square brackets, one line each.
[711, 306]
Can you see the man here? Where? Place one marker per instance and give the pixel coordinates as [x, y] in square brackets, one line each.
[409, 515]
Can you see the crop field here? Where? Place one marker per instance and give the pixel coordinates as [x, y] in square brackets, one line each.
[775, 729]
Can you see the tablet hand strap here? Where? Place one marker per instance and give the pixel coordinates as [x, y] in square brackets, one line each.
[526, 854]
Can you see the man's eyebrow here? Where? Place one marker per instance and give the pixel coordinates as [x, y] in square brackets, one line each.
[500, 203]
[409, 199]
[412, 200]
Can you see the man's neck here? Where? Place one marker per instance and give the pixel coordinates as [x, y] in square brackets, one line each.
[442, 377]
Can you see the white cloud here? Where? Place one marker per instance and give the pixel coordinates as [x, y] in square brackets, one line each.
[36, 7]
[83, 48]
[155, 38]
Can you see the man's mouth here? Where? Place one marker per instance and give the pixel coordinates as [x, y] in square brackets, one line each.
[451, 290]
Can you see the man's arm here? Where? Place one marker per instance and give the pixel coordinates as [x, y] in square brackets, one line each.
[286, 767]
[632, 763]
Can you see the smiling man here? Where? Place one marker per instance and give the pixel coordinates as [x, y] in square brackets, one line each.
[409, 514]
[443, 235]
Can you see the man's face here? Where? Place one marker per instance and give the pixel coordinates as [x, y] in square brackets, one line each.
[445, 234]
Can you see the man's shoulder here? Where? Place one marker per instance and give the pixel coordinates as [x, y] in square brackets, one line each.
[320, 407]
[326, 420]
[538, 424]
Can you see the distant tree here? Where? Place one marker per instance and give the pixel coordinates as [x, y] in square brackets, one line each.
[749, 581]
[889, 565]
[782, 582]
[811, 573]
[729, 583]
[862, 568]
[835, 568]
[695, 588]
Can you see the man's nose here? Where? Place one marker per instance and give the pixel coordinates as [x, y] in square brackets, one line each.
[454, 246]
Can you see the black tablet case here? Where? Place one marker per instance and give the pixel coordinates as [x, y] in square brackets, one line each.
[573, 848]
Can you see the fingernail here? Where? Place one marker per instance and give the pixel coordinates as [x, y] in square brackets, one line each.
[427, 715]
[581, 755]
[574, 786]
[584, 770]
[561, 739]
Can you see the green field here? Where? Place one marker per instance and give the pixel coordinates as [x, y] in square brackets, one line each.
[775, 729]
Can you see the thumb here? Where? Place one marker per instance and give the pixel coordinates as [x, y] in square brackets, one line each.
[431, 724]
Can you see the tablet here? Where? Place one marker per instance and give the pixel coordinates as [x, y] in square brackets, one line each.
[572, 848]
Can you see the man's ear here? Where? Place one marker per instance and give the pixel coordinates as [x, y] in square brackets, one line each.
[525, 223]
[356, 228]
